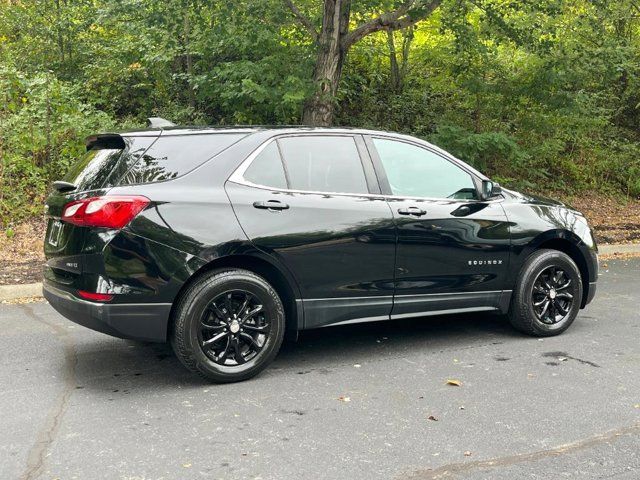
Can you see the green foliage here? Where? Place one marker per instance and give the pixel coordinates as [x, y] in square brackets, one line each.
[42, 131]
[539, 95]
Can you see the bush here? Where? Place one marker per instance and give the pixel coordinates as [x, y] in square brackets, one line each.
[42, 126]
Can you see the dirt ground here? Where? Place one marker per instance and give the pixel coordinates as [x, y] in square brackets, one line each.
[612, 220]
[21, 254]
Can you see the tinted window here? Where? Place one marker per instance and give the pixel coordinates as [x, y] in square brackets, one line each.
[266, 169]
[91, 171]
[323, 164]
[172, 156]
[136, 146]
[416, 172]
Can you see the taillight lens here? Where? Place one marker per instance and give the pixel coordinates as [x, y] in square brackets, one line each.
[96, 297]
[110, 211]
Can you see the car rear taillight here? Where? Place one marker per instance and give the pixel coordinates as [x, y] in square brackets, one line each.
[96, 297]
[110, 211]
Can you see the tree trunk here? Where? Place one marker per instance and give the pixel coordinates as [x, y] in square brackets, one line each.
[395, 78]
[334, 40]
[188, 58]
[319, 109]
[399, 69]
[59, 30]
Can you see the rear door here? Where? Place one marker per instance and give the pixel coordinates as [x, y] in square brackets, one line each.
[312, 202]
[453, 249]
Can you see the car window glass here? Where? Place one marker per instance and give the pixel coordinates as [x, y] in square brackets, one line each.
[323, 164]
[172, 156]
[266, 169]
[413, 171]
[91, 171]
[136, 146]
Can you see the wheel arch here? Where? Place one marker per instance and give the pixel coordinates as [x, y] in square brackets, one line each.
[568, 243]
[277, 276]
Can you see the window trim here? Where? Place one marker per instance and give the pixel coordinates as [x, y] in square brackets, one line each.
[384, 182]
[238, 175]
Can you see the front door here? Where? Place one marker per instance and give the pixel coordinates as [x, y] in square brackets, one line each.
[453, 250]
[311, 202]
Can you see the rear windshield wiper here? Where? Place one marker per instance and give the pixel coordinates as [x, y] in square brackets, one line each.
[62, 186]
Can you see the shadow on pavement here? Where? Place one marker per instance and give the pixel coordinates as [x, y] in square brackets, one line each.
[129, 364]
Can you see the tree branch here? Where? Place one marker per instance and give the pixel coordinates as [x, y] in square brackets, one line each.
[406, 15]
[304, 21]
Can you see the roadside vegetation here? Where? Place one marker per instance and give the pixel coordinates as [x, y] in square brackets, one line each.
[541, 95]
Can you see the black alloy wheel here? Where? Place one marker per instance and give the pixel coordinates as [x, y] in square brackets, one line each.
[547, 294]
[228, 325]
[234, 328]
[551, 297]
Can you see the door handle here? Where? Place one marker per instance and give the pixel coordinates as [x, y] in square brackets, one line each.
[271, 205]
[415, 211]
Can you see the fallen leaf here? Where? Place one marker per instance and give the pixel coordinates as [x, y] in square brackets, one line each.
[432, 418]
[456, 383]
[467, 453]
[637, 405]
[186, 465]
[344, 399]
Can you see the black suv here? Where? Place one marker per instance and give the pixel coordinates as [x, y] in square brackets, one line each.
[223, 240]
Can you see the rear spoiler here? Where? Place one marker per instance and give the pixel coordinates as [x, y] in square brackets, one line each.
[115, 140]
[105, 140]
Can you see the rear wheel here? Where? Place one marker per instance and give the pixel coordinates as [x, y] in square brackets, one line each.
[229, 325]
[548, 294]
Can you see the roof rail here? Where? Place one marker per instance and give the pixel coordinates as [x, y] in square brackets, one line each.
[158, 122]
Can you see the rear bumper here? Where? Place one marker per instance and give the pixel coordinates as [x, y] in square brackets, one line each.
[141, 321]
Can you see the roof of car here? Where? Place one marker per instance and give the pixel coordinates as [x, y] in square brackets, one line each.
[199, 130]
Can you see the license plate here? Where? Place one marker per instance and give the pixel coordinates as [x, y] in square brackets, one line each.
[54, 234]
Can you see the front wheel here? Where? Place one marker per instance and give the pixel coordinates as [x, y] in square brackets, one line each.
[548, 294]
[228, 326]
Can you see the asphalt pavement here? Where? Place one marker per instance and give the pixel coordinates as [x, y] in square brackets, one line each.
[368, 401]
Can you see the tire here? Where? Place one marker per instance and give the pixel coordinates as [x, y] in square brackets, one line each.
[540, 271]
[208, 339]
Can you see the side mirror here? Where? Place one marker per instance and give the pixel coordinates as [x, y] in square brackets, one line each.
[489, 189]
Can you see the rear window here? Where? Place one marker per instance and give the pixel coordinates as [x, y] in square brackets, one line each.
[105, 162]
[93, 168]
[173, 156]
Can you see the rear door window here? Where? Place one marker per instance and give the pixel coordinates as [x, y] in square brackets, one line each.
[323, 164]
[173, 156]
[266, 169]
